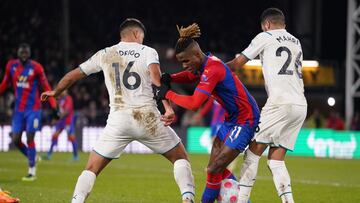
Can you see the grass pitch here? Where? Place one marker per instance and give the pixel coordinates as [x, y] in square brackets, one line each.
[139, 178]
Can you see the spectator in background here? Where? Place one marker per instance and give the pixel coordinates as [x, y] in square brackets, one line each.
[316, 120]
[335, 122]
[355, 122]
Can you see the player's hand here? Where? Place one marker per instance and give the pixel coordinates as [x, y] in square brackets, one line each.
[45, 95]
[168, 118]
[166, 79]
[160, 92]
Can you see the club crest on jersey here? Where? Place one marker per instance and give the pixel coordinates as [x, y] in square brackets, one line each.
[129, 53]
[204, 78]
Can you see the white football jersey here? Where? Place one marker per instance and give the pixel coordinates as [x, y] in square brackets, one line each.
[281, 57]
[126, 73]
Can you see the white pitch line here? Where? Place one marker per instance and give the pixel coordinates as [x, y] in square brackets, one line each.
[314, 182]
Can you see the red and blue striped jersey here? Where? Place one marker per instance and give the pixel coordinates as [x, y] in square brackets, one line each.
[219, 81]
[66, 104]
[218, 113]
[26, 80]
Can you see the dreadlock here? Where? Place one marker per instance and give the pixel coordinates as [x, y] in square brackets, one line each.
[187, 36]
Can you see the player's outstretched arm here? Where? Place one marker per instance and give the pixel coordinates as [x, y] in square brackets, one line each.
[238, 62]
[65, 82]
[192, 102]
[182, 77]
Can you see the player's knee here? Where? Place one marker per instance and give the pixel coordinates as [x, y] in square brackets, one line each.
[71, 138]
[176, 153]
[212, 168]
[93, 168]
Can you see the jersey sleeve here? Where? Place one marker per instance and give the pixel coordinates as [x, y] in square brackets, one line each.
[256, 46]
[45, 84]
[211, 76]
[92, 65]
[184, 77]
[5, 81]
[151, 57]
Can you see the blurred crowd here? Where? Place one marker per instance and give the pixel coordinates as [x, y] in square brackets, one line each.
[333, 120]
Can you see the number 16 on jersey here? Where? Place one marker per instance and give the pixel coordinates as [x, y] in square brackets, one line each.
[126, 75]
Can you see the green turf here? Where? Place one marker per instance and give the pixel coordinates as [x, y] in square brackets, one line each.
[149, 178]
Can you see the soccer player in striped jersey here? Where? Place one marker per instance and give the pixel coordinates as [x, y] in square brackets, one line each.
[26, 76]
[66, 121]
[215, 80]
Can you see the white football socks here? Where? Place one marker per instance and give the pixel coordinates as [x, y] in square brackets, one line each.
[184, 178]
[248, 175]
[32, 171]
[83, 186]
[281, 180]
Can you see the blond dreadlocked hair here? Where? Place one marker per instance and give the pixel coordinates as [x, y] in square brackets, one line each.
[187, 36]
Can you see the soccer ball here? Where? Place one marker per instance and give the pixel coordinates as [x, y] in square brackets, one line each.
[229, 191]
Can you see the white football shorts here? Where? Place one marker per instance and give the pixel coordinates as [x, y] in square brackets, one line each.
[141, 124]
[280, 125]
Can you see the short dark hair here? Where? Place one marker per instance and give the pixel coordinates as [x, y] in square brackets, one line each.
[187, 36]
[24, 45]
[131, 22]
[274, 15]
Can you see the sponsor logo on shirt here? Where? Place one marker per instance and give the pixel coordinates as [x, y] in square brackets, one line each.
[22, 82]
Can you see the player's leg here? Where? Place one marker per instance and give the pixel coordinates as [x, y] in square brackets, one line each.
[32, 125]
[249, 170]
[236, 140]
[213, 183]
[16, 139]
[54, 142]
[109, 145]
[227, 174]
[72, 138]
[182, 171]
[280, 173]
[74, 144]
[86, 180]
[18, 126]
[284, 139]
[215, 170]
[31, 157]
[270, 120]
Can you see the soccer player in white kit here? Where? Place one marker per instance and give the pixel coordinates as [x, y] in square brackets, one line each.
[130, 69]
[285, 110]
